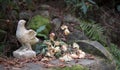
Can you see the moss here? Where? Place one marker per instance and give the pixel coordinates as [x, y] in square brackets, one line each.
[116, 54]
[38, 21]
[75, 67]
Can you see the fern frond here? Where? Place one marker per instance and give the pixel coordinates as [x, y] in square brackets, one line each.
[93, 31]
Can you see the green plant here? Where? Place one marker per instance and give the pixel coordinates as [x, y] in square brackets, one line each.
[6, 7]
[39, 30]
[93, 31]
[116, 54]
[80, 5]
[40, 25]
[41, 48]
[96, 32]
[9, 7]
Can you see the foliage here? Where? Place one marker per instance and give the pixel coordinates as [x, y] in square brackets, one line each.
[116, 54]
[41, 48]
[80, 5]
[7, 5]
[96, 32]
[39, 30]
[41, 25]
[93, 31]
[75, 67]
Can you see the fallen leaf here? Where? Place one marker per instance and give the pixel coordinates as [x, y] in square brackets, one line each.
[44, 59]
[66, 58]
[66, 32]
[74, 56]
[90, 56]
[75, 45]
[64, 27]
[57, 43]
[57, 49]
[49, 65]
[82, 55]
[62, 65]
[52, 36]
[64, 47]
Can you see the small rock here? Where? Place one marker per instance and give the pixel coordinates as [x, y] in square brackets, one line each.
[56, 22]
[76, 35]
[45, 13]
[69, 18]
[25, 15]
[2, 67]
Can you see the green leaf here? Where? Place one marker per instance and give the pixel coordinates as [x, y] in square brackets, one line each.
[93, 31]
[43, 51]
[41, 28]
[40, 48]
[42, 35]
[37, 21]
[91, 1]
[84, 7]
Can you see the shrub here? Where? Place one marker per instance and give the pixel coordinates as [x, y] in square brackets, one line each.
[80, 5]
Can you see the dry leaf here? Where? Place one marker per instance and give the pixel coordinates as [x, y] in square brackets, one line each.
[57, 49]
[66, 58]
[75, 45]
[81, 54]
[44, 59]
[49, 65]
[48, 43]
[89, 56]
[62, 65]
[74, 56]
[48, 54]
[57, 43]
[52, 36]
[63, 27]
[64, 47]
[66, 32]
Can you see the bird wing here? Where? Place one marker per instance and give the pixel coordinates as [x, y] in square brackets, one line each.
[31, 34]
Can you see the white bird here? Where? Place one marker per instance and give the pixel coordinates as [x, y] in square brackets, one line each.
[24, 36]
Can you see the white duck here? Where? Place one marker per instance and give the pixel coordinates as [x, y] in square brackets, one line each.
[24, 36]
